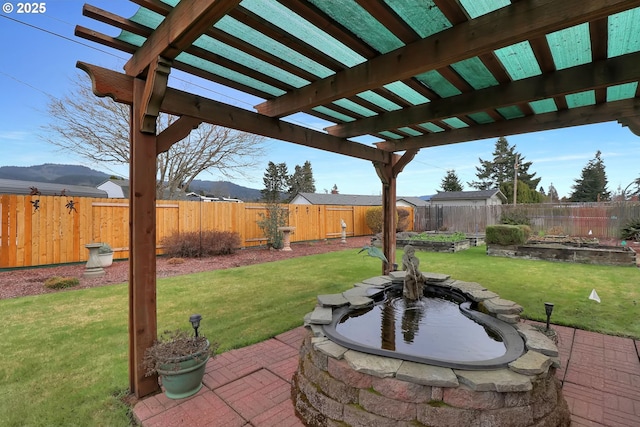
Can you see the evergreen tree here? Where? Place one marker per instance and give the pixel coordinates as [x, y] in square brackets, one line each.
[525, 194]
[301, 181]
[275, 182]
[592, 184]
[553, 194]
[451, 182]
[493, 173]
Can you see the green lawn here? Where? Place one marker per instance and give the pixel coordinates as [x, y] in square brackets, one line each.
[65, 354]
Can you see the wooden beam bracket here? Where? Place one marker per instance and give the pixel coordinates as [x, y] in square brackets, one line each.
[154, 90]
[177, 131]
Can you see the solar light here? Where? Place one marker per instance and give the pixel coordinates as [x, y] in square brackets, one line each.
[195, 322]
[548, 308]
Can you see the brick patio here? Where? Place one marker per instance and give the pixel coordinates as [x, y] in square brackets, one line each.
[251, 386]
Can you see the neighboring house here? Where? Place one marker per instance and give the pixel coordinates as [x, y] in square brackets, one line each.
[411, 202]
[469, 198]
[351, 200]
[12, 186]
[116, 188]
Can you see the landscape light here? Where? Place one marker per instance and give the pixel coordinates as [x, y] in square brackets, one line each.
[195, 322]
[548, 308]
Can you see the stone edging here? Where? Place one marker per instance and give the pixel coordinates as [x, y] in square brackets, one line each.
[336, 384]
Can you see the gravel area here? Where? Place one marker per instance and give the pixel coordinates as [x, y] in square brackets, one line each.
[30, 281]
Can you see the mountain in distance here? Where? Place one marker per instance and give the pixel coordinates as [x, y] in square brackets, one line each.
[82, 175]
[54, 173]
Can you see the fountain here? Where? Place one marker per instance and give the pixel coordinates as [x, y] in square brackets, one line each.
[415, 348]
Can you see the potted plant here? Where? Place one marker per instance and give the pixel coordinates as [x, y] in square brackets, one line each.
[105, 253]
[179, 358]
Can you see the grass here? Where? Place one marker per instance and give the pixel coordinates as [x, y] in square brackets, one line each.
[66, 353]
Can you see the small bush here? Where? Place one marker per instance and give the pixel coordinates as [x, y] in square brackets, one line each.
[199, 244]
[631, 230]
[59, 282]
[175, 261]
[526, 230]
[276, 216]
[373, 219]
[555, 231]
[515, 217]
[404, 215]
[505, 234]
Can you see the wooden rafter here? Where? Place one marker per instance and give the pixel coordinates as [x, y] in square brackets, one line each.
[520, 21]
[186, 22]
[599, 113]
[119, 86]
[622, 69]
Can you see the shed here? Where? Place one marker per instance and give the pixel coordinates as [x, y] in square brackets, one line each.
[469, 198]
[12, 186]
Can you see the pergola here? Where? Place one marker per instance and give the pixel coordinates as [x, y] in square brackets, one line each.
[411, 73]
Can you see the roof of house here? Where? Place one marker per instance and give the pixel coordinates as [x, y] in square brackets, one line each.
[353, 199]
[12, 186]
[469, 195]
[415, 201]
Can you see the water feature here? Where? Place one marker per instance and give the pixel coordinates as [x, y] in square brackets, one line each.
[440, 329]
[449, 353]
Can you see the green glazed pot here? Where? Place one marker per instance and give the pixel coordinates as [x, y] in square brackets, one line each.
[182, 377]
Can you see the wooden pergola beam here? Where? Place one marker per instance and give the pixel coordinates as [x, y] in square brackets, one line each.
[503, 27]
[119, 87]
[599, 113]
[175, 132]
[154, 89]
[594, 75]
[184, 24]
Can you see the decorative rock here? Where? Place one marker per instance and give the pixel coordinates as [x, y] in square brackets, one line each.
[397, 275]
[358, 301]
[378, 281]
[331, 349]
[430, 375]
[317, 330]
[509, 318]
[467, 286]
[435, 277]
[537, 341]
[478, 295]
[332, 300]
[531, 363]
[501, 380]
[355, 292]
[502, 306]
[321, 316]
[377, 366]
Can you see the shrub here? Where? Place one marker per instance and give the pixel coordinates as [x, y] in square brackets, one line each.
[199, 244]
[631, 230]
[526, 230]
[276, 216]
[555, 231]
[59, 282]
[105, 249]
[515, 217]
[373, 219]
[404, 215]
[505, 234]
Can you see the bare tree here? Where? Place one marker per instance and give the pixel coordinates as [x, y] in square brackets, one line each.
[98, 130]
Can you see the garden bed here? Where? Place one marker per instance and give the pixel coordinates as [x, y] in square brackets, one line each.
[434, 246]
[567, 251]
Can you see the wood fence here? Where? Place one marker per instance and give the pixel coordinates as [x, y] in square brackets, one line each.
[43, 230]
[601, 220]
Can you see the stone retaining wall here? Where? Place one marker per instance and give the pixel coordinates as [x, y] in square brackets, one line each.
[602, 255]
[336, 386]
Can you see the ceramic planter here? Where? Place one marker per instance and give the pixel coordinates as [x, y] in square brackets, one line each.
[183, 377]
[106, 259]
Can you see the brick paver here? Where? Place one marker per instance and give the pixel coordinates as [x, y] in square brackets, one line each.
[251, 386]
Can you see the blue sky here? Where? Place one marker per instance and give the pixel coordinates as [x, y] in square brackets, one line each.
[39, 54]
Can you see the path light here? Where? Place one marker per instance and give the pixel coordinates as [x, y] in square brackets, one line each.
[548, 308]
[195, 322]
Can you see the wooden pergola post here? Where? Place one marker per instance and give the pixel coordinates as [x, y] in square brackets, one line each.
[388, 172]
[142, 247]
